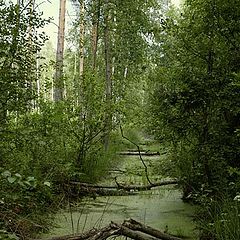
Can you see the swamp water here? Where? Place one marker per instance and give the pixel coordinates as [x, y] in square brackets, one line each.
[161, 208]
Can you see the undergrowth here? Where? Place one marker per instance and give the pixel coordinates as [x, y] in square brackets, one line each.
[40, 152]
[220, 219]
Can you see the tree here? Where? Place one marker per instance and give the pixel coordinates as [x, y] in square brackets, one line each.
[95, 30]
[18, 62]
[114, 43]
[196, 80]
[58, 79]
[108, 73]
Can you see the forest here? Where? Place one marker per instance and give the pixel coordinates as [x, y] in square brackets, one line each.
[128, 81]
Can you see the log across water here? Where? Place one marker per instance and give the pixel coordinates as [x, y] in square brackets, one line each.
[136, 153]
[120, 186]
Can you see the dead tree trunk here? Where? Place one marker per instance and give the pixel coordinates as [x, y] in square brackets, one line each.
[143, 153]
[130, 228]
[137, 226]
[112, 190]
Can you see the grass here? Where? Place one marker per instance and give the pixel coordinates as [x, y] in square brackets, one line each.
[221, 220]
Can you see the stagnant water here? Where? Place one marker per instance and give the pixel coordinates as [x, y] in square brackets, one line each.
[161, 208]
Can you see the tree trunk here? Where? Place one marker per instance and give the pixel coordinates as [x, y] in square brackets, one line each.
[80, 88]
[136, 153]
[108, 79]
[95, 28]
[58, 91]
[137, 226]
[81, 40]
[119, 186]
[34, 86]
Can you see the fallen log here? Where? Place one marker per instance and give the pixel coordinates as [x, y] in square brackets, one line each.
[137, 226]
[120, 186]
[146, 187]
[84, 189]
[106, 232]
[131, 153]
[89, 185]
[127, 232]
[141, 150]
[130, 228]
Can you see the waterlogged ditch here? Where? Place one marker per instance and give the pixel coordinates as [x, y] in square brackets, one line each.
[161, 207]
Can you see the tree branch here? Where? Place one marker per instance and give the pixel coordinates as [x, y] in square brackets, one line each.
[139, 153]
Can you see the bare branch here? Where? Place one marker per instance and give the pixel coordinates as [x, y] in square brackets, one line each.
[139, 153]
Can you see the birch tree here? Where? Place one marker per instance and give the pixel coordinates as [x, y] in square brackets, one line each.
[17, 65]
[58, 92]
[95, 31]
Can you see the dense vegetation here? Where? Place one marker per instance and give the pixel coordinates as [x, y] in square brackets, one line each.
[142, 64]
[195, 106]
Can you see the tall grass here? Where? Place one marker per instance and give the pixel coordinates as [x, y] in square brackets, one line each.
[227, 223]
[221, 220]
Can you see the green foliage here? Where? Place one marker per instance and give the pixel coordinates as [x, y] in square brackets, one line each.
[21, 192]
[7, 236]
[18, 46]
[43, 150]
[24, 191]
[194, 100]
[97, 161]
[194, 104]
[220, 219]
[22, 198]
[130, 26]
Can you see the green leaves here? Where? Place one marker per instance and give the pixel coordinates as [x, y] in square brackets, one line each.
[6, 174]
[11, 179]
[17, 179]
[28, 183]
[46, 183]
[18, 61]
[194, 100]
